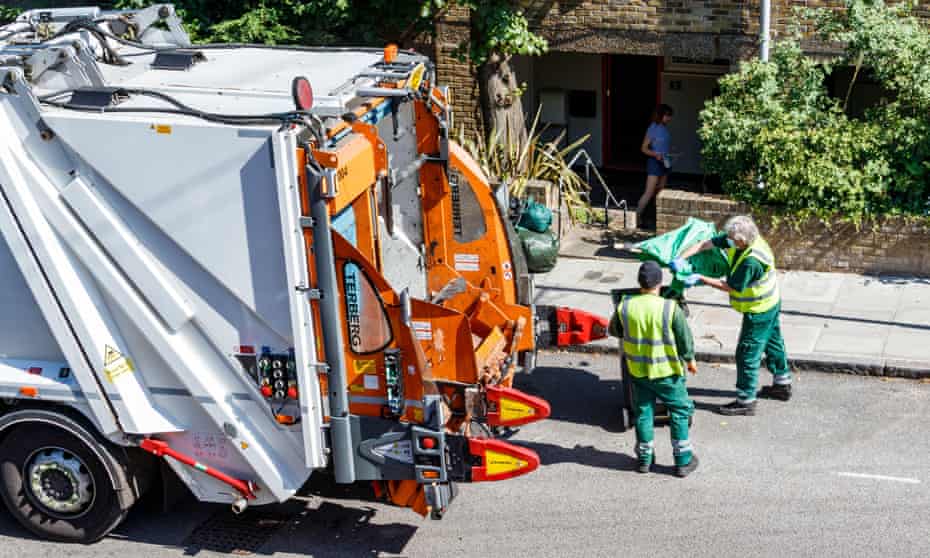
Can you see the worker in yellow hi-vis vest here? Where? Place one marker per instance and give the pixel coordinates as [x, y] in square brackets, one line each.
[753, 288]
[657, 346]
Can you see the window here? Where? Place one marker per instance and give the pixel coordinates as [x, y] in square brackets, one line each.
[582, 104]
[467, 218]
[367, 324]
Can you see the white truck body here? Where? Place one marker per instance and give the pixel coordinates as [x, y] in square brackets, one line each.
[142, 250]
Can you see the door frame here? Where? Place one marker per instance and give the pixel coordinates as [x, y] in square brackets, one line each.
[607, 112]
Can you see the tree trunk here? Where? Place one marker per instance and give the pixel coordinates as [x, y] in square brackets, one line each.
[501, 106]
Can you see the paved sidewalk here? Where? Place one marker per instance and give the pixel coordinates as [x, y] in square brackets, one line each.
[831, 321]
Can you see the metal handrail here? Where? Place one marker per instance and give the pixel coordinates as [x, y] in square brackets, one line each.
[608, 196]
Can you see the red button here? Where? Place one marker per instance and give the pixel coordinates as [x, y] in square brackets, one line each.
[292, 392]
[428, 443]
[266, 391]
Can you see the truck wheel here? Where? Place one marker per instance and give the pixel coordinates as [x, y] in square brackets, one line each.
[529, 361]
[57, 486]
[626, 419]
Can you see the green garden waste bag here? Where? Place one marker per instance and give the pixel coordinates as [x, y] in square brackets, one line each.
[541, 249]
[666, 247]
[535, 217]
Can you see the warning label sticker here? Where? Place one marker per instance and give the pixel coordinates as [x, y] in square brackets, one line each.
[115, 363]
[401, 450]
[467, 262]
[423, 331]
[364, 366]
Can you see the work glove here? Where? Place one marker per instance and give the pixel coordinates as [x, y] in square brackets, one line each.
[692, 280]
[678, 264]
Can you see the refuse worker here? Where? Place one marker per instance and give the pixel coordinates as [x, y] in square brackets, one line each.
[657, 346]
[753, 289]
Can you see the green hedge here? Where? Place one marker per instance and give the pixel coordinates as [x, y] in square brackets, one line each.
[777, 138]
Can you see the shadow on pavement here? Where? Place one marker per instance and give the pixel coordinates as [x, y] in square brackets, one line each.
[336, 530]
[328, 530]
[9, 527]
[575, 395]
[552, 454]
[581, 397]
[589, 456]
[706, 392]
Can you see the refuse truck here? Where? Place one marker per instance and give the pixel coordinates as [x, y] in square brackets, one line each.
[241, 265]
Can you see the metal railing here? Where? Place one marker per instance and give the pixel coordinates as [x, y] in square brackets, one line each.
[609, 198]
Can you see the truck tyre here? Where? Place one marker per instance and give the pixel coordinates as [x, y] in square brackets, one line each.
[626, 419]
[58, 486]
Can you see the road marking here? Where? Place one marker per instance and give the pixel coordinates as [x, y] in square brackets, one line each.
[880, 477]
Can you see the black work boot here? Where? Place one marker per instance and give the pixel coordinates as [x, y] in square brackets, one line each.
[738, 407]
[685, 470]
[645, 456]
[782, 392]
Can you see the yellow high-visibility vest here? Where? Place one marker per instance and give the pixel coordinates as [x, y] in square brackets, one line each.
[760, 295]
[648, 342]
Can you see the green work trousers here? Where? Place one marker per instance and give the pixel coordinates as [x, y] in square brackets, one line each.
[760, 334]
[674, 394]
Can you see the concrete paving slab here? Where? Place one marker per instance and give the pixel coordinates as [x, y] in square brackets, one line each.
[818, 288]
[720, 338]
[801, 339]
[714, 316]
[865, 293]
[804, 308]
[707, 294]
[590, 301]
[908, 344]
[883, 317]
[915, 316]
[571, 271]
[916, 293]
[843, 337]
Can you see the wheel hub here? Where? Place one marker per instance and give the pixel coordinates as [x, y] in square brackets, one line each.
[60, 481]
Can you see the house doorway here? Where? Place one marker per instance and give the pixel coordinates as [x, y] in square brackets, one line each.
[632, 90]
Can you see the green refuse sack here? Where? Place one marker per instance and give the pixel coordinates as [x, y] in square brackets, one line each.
[541, 249]
[666, 247]
[535, 217]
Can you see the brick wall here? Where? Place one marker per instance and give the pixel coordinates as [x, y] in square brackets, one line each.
[892, 246]
[460, 77]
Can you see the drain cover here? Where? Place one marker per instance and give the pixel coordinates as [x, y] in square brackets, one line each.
[241, 534]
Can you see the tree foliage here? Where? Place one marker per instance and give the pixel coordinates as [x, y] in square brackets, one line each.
[777, 138]
[498, 26]
[309, 22]
[8, 14]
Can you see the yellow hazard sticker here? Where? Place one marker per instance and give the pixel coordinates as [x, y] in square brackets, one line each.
[512, 410]
[364, 366]
[500, 463]
[356, 388]
[115, 363]
[161, 128]
[416, 76]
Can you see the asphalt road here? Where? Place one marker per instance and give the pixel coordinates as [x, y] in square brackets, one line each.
[841, 470]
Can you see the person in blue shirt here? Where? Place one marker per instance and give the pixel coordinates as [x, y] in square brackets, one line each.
[656, 146]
